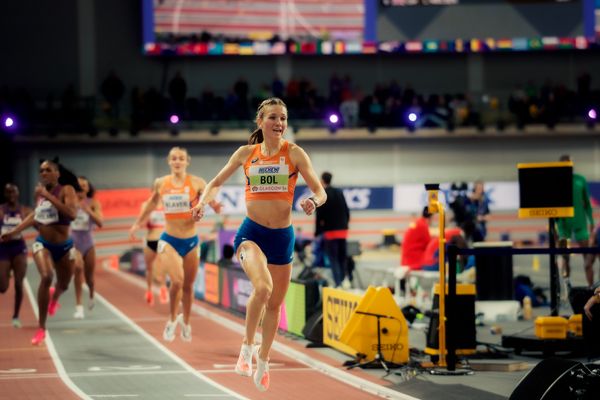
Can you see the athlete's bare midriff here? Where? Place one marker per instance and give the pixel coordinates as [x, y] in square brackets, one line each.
[181, 228]
[54, 233]
[270, 213]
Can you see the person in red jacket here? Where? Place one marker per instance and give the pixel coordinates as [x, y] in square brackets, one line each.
[415, 241]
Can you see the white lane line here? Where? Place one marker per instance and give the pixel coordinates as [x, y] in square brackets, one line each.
[18, 371]
[114, 395]
[89, 320]
[166, 351]
[30, 376]
[232, 366]
[93, 374]
[326, 369]
[133, 373]
[231, 371]
[52, 350]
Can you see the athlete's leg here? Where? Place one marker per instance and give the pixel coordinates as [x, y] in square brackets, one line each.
[254, 264]
[190, 269]
[5, 266]
[173, 262]
[19, 267]
[45, 266]
[588, 262]
[78, 278]
[89, 267]
[280, 275]
[64, 271]
[149, 258]
[566, 267]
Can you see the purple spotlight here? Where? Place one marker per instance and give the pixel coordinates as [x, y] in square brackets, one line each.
[412, 117]
[174, 119]
[334, 119]
[592, 114]
[9, 122]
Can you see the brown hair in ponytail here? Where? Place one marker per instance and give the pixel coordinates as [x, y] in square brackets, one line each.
[257, 135]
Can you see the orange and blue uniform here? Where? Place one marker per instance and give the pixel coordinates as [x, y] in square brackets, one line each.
[177, 202]
[269, 178]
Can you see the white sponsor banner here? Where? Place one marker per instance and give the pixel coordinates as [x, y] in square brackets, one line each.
[233, 200]
[411, 198]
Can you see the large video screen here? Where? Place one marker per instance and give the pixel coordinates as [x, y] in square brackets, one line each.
[469, 19]
[262, 27]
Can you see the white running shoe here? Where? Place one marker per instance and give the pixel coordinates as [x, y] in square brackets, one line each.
[169, 332]
[186, 330]
[261, 376]
[91, 304]
[244, 362]
[78, 312]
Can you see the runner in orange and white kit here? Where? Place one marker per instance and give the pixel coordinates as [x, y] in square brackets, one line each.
[155, 225]
[178, 245]
[265, 240]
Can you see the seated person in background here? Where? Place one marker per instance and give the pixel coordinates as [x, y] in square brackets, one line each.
[415, 241]
[453, 236]
[524, 288]
[300, 245]
[227, 256]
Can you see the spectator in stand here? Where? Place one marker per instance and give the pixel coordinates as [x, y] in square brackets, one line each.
[113, 90]
[241, 90]
[349, 108]
[335, 90]
[178, 93]
[277, 88]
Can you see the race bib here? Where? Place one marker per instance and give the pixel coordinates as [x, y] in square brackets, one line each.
[10, 223]
[176, 203]
[269, 178]
[46, 213]
[81, 222]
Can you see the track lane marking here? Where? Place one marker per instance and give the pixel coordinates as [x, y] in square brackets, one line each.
[60, 369]
[326, 369]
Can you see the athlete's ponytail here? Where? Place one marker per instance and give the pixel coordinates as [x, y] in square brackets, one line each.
[257, 136]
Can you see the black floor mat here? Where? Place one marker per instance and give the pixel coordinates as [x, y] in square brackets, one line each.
[426, 390]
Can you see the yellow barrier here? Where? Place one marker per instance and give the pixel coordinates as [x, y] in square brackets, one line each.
[337, 309]
[360, 331]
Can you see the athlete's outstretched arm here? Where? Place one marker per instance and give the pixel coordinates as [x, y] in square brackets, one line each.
[147, 208]
[212, 188]
[304, 165]
[214, 204]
